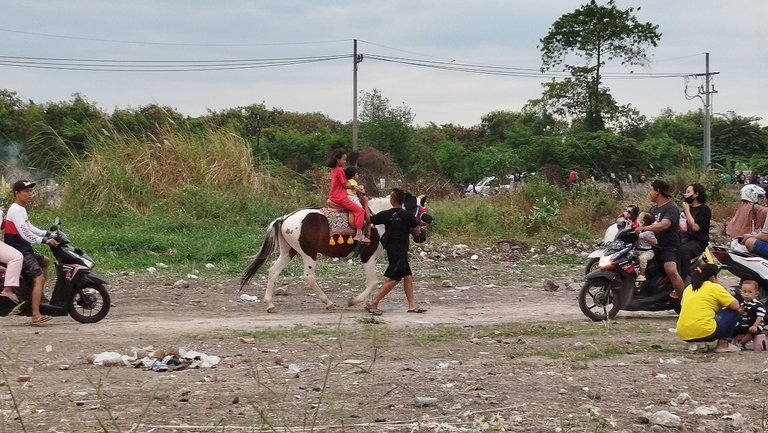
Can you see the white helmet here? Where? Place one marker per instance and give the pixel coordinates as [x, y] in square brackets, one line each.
[752, 193]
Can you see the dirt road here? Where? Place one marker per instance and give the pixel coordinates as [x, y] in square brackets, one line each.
[499, 339]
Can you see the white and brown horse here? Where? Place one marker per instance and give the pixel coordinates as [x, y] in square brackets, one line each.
[308, 233]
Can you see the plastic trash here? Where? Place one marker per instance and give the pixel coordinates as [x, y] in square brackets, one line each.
[194, 355]
[252, 298]
[209, 266]
[151, 269]
[161, 265]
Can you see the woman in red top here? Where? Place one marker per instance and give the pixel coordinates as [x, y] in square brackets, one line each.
[338, 194]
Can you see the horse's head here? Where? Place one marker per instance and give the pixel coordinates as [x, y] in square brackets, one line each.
[415, 204]
[418, 205]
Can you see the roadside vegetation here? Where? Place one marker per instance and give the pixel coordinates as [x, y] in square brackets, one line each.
[148, 184]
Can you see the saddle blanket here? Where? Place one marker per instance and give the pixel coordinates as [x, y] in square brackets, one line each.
[338, 221]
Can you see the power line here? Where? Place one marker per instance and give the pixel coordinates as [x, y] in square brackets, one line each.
[117, 65]
[182, 44]
[113, 65]
[516, 71]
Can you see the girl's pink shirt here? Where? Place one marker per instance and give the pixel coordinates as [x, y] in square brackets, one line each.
[338, 185]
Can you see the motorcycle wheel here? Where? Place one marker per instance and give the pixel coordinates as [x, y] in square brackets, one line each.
[591, 265]
[89, 304]
[598, 301]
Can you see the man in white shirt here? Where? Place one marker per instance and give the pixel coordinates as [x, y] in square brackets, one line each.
[21, 234]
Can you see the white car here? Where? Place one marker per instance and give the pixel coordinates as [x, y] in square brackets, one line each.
[490, 185]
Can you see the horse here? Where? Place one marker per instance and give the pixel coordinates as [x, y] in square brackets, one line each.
[307, 232]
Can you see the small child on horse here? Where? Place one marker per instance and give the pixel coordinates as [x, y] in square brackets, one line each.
[338, 194]
[356, 193]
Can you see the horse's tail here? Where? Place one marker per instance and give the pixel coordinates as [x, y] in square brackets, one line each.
[270, 242]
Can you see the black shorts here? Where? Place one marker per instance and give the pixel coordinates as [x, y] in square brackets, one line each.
[30, 267]
[666, 254]
[398, 266]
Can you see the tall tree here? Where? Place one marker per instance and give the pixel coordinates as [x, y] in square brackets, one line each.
[595, 34]
[388, 129]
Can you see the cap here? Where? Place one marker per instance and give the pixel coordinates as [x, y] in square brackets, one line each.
[662, 187]
[21, 185]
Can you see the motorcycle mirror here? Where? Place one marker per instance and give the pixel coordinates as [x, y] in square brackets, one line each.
[57, 221]
[620, 223]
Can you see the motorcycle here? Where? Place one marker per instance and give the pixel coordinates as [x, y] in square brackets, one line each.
[745, 266]
[612, 287]
[609, 236]
[78, 292]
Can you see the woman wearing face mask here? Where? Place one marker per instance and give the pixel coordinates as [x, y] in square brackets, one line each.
[694, 226]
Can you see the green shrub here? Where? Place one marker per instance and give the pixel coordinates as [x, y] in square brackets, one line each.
[537, 188]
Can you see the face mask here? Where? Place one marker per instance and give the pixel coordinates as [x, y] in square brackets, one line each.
[689, 200]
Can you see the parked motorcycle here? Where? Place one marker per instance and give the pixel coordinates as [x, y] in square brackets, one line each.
[745, 266]
[78, 292]
[612, 287]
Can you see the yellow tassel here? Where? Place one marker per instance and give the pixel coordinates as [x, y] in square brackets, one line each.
[331, 242]
[350, 241]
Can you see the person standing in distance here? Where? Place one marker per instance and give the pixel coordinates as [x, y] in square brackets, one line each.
[21, 234]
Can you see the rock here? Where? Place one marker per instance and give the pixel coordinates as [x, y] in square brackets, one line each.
[551, 249]
[23, 378]
[665, 419]
[181, 284]
[706, 410]
[681, 398]
[550, 286]
[425, 401]
[737, 420]
[63, 367]
[293, 370]
[446, 283]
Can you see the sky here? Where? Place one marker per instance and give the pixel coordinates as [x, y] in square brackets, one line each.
[498, 33]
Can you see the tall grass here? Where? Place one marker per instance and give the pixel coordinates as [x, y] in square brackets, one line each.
[183, 200]
[189, 199]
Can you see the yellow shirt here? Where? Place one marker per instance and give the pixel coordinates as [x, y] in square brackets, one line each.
[351, 190]
[698, 309]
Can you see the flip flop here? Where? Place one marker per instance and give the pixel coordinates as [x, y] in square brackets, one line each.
[40, 320]
[418, 310]
[729, 348]
[12, 297]
[373, 311]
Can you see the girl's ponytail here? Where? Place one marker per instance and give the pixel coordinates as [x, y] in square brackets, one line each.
[703, 273]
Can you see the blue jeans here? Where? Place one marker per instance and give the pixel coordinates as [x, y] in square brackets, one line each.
[726, 321]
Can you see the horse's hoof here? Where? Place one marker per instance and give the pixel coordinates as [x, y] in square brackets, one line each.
[272, 309]
[330, 307]
[352, 302]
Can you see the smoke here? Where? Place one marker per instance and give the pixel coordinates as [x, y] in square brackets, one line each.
[11, 166]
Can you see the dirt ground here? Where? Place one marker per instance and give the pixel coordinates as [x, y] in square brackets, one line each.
[503, 342]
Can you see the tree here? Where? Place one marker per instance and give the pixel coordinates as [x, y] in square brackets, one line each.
[388, 129]
[62, 130]
[595, 34]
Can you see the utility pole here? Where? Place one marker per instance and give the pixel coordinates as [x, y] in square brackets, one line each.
[355, 60]
[704, 93]
[258, 133]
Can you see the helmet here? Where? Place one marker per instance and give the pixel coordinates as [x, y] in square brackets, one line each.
[752, 193]
[633, 211]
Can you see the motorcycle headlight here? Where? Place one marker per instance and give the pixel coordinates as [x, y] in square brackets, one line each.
[605, 263]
